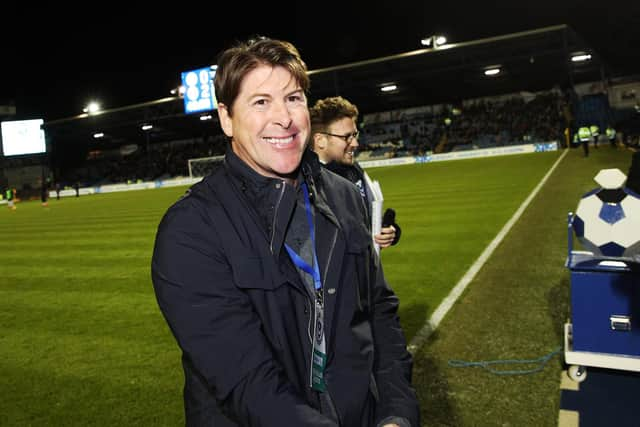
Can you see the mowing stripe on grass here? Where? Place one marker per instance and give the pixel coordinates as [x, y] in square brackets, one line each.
[432, 323]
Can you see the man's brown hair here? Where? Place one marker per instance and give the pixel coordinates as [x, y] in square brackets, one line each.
[329, 110]
[236, 62]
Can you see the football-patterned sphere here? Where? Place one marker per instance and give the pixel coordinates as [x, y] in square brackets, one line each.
[607, 220]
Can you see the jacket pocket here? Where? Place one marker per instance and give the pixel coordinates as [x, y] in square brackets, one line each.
[359, 249]
[252, 273]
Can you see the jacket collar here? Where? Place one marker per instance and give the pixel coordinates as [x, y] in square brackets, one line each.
[243, 173]
[255, 186]
[312, 171]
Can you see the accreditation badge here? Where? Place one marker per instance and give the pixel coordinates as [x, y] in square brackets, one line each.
[319, 352]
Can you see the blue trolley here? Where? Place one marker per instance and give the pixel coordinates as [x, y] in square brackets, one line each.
[604, 330]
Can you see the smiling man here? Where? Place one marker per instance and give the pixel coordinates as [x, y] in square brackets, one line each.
[267, 277]
[334, 137]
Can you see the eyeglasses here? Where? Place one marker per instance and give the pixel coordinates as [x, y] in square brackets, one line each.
[346, 138]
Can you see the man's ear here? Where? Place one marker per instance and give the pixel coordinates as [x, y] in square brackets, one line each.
[225, 120]
[319, 141]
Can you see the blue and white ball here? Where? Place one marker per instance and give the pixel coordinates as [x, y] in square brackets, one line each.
[607, 220]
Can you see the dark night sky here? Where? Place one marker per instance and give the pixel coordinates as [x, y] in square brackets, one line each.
[124, 55]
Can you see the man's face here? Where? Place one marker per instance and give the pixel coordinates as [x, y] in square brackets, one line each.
[270, 123]
[340, 148]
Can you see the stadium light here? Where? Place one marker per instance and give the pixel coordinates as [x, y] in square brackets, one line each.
[98, 135]
[178, 91]
[494, 70]
[146, 127]
[388, 88]
[435, 41]
[206, 117]
[92, 108]
[580, 57]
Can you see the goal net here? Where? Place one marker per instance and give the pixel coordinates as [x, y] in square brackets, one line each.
[203, 166]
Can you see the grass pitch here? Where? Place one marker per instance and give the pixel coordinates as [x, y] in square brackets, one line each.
[83, 341]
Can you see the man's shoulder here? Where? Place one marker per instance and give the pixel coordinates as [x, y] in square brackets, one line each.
[196, 201]
[351, 172]
[337, 182]
[342, 195]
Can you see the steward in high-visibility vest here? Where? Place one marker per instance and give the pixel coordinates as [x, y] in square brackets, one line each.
[595, 133]
[584, 135]
[9, 197]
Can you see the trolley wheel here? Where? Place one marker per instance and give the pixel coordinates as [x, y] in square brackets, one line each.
[577, 373]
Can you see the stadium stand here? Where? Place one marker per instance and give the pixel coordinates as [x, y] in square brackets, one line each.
[443, 104]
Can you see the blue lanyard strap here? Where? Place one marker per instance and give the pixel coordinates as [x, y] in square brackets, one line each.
[314, 270]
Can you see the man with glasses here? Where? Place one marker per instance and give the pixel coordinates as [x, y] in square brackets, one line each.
[334, 137]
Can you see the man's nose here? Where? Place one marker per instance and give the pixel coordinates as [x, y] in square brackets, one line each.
[282, 115]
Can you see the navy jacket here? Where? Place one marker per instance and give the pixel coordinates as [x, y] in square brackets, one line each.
[355, 174]
[242, 316]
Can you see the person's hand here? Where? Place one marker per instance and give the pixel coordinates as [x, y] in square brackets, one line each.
[384, 240]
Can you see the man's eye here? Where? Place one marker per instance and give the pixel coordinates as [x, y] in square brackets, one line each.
[260, 102]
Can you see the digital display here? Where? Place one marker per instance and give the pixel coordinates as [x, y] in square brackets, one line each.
[23, 137]
[199, 93]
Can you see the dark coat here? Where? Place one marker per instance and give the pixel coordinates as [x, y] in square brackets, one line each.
[355, 174]
[242, 316]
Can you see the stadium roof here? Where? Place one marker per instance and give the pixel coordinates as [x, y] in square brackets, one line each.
[530, 61]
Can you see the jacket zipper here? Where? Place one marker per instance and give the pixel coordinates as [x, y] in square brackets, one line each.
[311, 329]
[333, 245]
[332, 403]
[326, 269]
[311, 319]
[275, 216]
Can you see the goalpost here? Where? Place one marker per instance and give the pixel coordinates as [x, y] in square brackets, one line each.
[202, 166]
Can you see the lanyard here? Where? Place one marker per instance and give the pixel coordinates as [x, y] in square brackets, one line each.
[314, 270]
[318, 353]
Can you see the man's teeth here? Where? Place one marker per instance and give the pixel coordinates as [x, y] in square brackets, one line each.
[279, 141]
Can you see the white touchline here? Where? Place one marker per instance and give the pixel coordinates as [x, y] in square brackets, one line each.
[432, 323]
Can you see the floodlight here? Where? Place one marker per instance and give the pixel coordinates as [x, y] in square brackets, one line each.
[92, 108]
[580, 57]
[435, 40]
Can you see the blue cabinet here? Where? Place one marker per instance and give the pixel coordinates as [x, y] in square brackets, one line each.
[605, 304]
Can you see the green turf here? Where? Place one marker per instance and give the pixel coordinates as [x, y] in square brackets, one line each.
[449, 212]
[81, 338]
[83, 342]
[514, 309]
